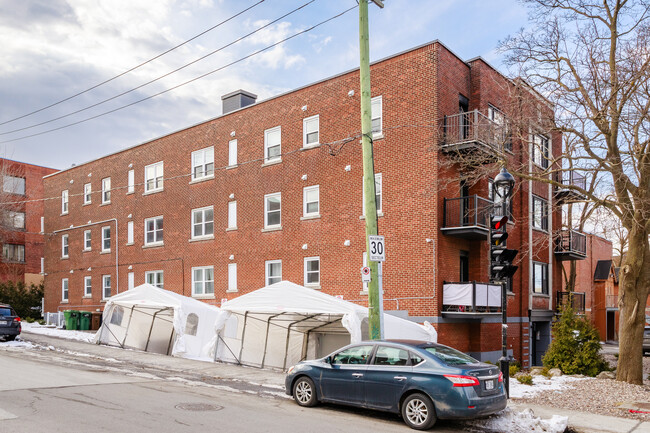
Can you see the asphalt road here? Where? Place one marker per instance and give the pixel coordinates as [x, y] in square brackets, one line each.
[51, 391]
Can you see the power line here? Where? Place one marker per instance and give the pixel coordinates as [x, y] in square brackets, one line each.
[133, 68]
[162, 76]
[241, 59]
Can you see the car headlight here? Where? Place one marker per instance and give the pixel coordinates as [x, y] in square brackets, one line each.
[291, 369]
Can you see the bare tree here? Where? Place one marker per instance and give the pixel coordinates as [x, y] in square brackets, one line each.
[591, 59]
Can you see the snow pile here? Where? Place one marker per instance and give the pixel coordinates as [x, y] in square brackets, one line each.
[35, 328]
[521, 422]
[16, 344]
[541, 383]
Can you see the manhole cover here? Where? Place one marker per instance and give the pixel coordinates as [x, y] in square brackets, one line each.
[198, 407]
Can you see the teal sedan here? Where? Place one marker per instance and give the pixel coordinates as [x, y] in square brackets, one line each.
[421, 381]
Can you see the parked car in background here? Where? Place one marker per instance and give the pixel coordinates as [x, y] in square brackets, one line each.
[421, 381]
[646, 336]
[9, 323]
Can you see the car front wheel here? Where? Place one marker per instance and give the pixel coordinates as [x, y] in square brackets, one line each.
[418, 412]
[304, 392]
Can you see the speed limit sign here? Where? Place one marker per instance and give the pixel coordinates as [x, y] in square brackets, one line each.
[377, 248]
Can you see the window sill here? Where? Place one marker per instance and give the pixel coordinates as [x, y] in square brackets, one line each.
[202, 238]
[232, 291]
[541, 295]
[309, 217]
[272, 162]
[104, 300]
[231, 229]
[201, 179]
[86, 204]
[540, 230]
[153, 191]
[105, 203]
[310, 146]
[129, 244]
[364, 292]
[105, 252]
[65, 301]
[379, 136]
[203, 296]
[271, 229]
[313, 286]
[64, 213]
[86, 296]
[154, 245]
[86, 250]
[62, 258]
[130, 192]
[379, 214]
[230, 167]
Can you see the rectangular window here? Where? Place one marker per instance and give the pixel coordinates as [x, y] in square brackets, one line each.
[106, 190]
[64, 289]
[130, 280]
[232, 153]
[202, 222]
[88, 190]
[153, 177]
[15, 219]
[273, 271]
[540, 213]
[310, 131]
[378, 194]
[203, 163]
[540, 278]
[232, 214]
[106, 239]
[376, 108]
[13, 253]
[129, 232]
[106, 286]
[272, 144]
[88, 286]
[87, 237]
[310, 201]
[64, 202]
[13, 185]
[202, 281]
[153, 231]
[155, 278]
[232, 277]
[500, 127]
[540, 150]
[312, 271]
[64, 246]
[273, 211]
[130, 186]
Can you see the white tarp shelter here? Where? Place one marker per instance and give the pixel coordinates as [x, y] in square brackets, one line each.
[156, 320]
[281, 324]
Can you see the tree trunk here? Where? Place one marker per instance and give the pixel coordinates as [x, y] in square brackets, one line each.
[632, 297]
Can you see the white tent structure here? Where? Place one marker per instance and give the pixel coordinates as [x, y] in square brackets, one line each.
[156, 320]
[281, 324]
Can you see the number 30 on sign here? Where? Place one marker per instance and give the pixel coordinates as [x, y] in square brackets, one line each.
[377, 250]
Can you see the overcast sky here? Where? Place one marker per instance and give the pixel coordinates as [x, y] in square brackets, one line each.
[54, 49]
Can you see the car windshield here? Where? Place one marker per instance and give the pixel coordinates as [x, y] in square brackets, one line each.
[5, 312]
[450, 356]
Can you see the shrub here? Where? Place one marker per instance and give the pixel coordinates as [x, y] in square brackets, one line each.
[526, 379]
[575, 348]
[514, 369]
[26, 300]
[546, 372]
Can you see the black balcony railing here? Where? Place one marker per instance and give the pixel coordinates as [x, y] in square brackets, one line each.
[473, 128]
[471, 297]
[572, 178]
[571, 244]
[466, 211]
[577, 300]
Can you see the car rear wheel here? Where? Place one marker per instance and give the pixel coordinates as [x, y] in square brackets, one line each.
[304, 392]
[10, 337]
[418, 412]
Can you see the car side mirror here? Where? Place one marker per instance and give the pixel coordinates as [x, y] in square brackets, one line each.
[328, 360]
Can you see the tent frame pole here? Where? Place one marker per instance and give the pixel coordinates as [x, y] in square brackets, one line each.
[286, 346]
[229, 350]
[128, 325]
[266, 340]
[243, 334]
[153, 321]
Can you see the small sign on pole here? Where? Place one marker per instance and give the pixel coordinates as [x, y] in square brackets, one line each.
[377, 248]
[365, 274]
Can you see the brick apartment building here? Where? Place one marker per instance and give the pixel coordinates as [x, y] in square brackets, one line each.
[21, 233]
[248, 198]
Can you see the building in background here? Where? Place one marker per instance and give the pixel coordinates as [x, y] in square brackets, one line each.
[272, 191]
[21, 232]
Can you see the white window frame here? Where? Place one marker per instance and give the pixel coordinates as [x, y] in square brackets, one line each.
[87, 240]
[267, 197]
[310, 125]
[306, 272]
[232, 153]
[155, 231]
[106, 284]
[129, 233]
[88, 193]
[267, 145]
[64, 202]
[130, 182]
[377, 112]
[17, 219]
[541, 269]
[106, 190]
[154, 174]
[540, 209]
[267, 268]
[232, 215]
[203, 281]
[88, 287]
[379, 198]
[203, 159]
[305, 203]
[65, 290]
[541, 150]
[106, 230]
[65, 246]
[232, 277]
[158, 278]
[204, 224]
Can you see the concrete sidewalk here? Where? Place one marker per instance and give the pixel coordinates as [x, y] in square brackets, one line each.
[581, 422]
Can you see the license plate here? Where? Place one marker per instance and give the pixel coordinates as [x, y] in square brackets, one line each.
[3, 322]
[489, 385]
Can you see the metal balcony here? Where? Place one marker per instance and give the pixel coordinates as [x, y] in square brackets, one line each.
[565, 194]
[472, 131]
[466, 217]
[577, 300]
[570, 245]
[471, 299]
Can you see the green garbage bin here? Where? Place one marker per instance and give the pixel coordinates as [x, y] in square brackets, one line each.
[85, 318]
[71, 319]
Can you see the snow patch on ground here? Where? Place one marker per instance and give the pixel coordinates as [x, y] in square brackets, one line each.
[35, 328]
[521, 422]
[541, 383]
[17, 344]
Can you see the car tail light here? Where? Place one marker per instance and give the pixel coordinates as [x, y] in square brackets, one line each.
[460, 380]
[500, 377]
[16, 319]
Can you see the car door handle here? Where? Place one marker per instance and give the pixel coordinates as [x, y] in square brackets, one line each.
[400, 378]
[357, 374]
